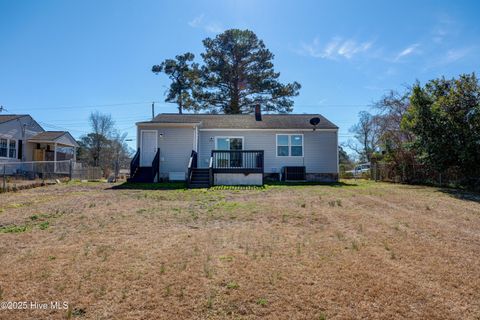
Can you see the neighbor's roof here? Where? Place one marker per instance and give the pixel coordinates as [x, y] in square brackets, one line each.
[52, 136]
[10, 117]
[244, 121]
[48, 135]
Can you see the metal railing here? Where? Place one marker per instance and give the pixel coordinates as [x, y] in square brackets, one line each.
[237, 161]
[156, 165]
[210, 171]
[192, 163]
[135, 163]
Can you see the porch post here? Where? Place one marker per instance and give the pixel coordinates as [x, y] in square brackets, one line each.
[195, 139]
[197, 149]
[55, 158]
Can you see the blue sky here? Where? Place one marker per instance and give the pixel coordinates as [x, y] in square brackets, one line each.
[60, 60]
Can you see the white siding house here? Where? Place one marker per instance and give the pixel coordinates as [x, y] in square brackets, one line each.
[22, 139]
[242, 146]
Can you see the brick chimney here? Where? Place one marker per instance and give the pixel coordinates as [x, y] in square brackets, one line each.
[258, 113]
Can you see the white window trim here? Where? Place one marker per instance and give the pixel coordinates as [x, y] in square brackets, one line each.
[16, 149]
[8, 147]
[229, 137]
[289, 145]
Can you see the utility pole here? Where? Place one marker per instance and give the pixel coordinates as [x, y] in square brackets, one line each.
[153, 110]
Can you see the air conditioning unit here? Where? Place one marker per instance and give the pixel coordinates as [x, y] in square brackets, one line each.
[294, 174]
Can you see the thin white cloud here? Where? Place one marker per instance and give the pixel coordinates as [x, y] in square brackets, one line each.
[197, 21]
[450, 56]
[455, 55]
[208, 26]
[322, 101]
[444, 28]
[407, 51]
[335, 48]
[214, 28]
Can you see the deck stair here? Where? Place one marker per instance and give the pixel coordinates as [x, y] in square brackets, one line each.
[200, 178]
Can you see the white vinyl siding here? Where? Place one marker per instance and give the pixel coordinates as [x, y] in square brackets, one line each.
[23, 129]
[176, 145]
[319, 148]
[289, 145]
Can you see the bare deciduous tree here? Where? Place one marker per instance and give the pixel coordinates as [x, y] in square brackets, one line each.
[393, 139]
[367, 133]
[104, 147]
[102, 126]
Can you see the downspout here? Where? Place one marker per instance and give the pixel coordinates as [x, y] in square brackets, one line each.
[196, 139]
[24, 141]
[55, 158]
[338, 159]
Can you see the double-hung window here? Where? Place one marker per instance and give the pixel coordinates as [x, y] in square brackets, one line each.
[3, 147]
[12, 148]
[290, 145]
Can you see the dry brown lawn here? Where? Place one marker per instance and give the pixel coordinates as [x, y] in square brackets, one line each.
[361, 250]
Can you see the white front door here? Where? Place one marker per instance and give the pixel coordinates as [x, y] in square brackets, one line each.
[148, 147]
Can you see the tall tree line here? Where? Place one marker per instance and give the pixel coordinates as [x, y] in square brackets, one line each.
[436, 125]
[236, 75]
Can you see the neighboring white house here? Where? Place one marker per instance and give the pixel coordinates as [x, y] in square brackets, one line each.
[207, 149]
[22, 139]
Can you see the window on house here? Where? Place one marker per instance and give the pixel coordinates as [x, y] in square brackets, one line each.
[282, 145]
[3, 147]
[290, 145]
[12, 149]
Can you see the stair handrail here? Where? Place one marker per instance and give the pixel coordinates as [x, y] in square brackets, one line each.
[156, 165]
[210, 171]
[135, 163]
[192, 163]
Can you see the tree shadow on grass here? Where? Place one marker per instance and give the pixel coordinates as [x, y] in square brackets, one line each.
[461, 194]
[150, 186]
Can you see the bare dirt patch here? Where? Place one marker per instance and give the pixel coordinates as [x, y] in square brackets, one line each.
[359, 250]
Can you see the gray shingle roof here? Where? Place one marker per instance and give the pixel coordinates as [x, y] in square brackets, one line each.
[47, 136]
[9, 117]
[245, 121]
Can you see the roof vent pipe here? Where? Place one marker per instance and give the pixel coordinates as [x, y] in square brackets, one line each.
[258, 113]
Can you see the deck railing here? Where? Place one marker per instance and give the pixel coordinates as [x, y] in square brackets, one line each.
[237, 161]
[135, 163]
[156, 165]
[192, 163]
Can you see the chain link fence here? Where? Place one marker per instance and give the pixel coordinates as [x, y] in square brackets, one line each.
[24, 175]
[422, 174]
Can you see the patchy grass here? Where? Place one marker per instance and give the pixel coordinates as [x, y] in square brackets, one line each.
[44, 225]
[262, 302]
[355, 249]
[232, 285]
[13, 229]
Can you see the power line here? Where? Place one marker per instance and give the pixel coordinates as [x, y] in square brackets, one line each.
[88, 106]
[60, 128]
[334, 105]
[119, 104]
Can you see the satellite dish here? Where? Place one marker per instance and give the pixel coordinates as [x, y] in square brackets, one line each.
[314, 122]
